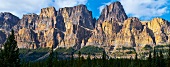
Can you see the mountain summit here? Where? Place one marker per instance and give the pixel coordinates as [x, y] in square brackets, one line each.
[75, 27]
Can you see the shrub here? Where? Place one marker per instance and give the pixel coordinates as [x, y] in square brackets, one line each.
[91, 50]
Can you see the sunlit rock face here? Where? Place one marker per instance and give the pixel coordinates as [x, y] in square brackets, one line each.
[131, 28]
[75, 27]
[160, 30]
[67, 27]
[26, 38]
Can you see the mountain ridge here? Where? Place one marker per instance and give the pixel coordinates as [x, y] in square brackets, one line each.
[76, 27]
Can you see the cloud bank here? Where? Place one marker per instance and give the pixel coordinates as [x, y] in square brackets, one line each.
[67, 3]
[20, 7]
[143, 9]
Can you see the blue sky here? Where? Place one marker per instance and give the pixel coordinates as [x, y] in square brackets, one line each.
[94, 6]
[143, 9]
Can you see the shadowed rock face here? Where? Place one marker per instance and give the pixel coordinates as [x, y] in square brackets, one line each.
[114, 11]
[2, 37]
[8, 20]
[75, 27]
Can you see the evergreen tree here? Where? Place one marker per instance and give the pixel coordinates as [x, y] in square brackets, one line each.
[10, 52]
[150, 56]
[72, 59]
[154, 56]
[79, 59]
[161, 59]
[168, 62]
[161, 55]
[104, 55]
[88, 60]
[104, 59]
[79, 54]
[150, 59]
[50, 58]
[136, 56]
[56, 59]
[169, 52]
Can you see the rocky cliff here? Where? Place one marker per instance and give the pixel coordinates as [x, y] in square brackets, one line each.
[114, 11]
[75, 27]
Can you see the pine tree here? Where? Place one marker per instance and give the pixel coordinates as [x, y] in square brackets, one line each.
[104, 58]
[79, 59]
[161, 59]
[161, 55]
[168, 64]
[79, 54]
[10, 52]
[88, 60]
[104, 55]
[56, 59]
[169, 51]
[50, 58]
[136, 56]
[150, 59]
[154, 55]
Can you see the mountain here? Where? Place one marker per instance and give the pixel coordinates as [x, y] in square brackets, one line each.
[75, 27]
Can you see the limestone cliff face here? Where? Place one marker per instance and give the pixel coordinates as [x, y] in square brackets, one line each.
[131, 28]
[144, 38]
[160, 29]
[78, 25]
[26, 38]
[27, 21]
[67, 27]
[77, 15]
[104, 34]
[113, 11]
[108, 25]
[2, 37]
[75, 27]
[47, 19]
[8, 20]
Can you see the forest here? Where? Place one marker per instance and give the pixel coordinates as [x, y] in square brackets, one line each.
[10, 57]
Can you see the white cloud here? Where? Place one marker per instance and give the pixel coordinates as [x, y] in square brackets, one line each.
[68, 3]
[145, 9]
[20, 7]
[102, 6]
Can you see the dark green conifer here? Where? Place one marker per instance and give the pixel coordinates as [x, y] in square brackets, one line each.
[50, 58]
[10, 52]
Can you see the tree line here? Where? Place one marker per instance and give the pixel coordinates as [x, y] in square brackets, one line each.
[9, 57]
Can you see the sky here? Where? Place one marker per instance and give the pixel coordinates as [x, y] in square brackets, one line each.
[143, 9]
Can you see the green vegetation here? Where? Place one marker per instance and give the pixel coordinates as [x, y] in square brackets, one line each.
[32, 54]
[65, 50]
[161, 46]
[147, 47]
[130, 52]
[91, 50]
[128, 48]
[24, 50]
[9, 55]
[157, 60]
